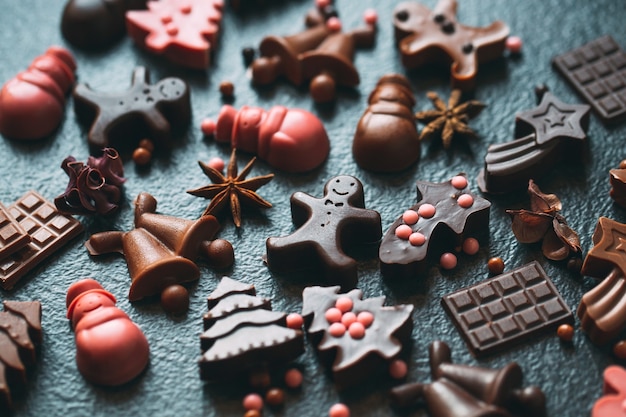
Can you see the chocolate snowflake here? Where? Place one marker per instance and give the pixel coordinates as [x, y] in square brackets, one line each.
[355, 335]
[232, 188]
[448, 120]
[543, 222]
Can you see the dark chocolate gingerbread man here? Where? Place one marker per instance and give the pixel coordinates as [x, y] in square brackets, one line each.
[143, 109]
[326, 226]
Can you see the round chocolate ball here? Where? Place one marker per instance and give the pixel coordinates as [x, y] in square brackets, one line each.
[275, 397]
[227, 89]
[221, 254]
[495, 266]
[565, 332]
[142, 156]
[175, 299]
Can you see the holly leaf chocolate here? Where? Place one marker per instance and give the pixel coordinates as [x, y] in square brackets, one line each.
[369, 336]
[445, 214]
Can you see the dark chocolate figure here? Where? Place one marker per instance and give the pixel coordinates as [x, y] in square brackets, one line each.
[144, 109]
[386, 138]
[326, 226]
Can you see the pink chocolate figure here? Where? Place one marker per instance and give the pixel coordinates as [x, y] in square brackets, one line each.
[33, 102]
[291, 140]
[613, 403]
[110, 348]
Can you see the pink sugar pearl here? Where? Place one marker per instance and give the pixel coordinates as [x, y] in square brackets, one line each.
[426, 210]
[337, 329]
[344, 304]
[471, 246]
[514, 44]
[398, 369]
[293, 378]
[348, 318]
[253, 402]
[465, 200]
[365, 318]
[333, 24]
[403, 231]
[448, 260]
[410, 217]
[356, 330]
[294, 321]
[333, 315]
[370, 16]
[339, 410]
[417, 239]
[459, 182]
[208, 127]
[217, 164]
[322, 3]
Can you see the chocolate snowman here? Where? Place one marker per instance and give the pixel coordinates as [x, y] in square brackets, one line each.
[110, 348]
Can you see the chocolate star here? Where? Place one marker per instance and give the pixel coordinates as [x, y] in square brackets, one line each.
[607, 252]
[543, 134]
[425, 36]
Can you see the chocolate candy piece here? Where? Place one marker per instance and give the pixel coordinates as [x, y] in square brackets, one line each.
[386, 138]
[160, 251]
[142, 111]
[361, 354]
[602, 310]
[325, 227]
[293, 140]
[95, 24]
[614, 389]
[595, 70]
[49, 230]
[425, 36]
[506, 309]
[110, 349]
[463, 390]
[20, 334]
[32, 104]
[544, 133]
[13, 237]
[182, 31]
[617, 178]
[241, 332]
[449, 215]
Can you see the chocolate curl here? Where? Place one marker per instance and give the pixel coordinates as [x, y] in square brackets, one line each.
[110, 165]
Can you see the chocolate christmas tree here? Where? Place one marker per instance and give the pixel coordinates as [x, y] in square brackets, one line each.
[241, 333]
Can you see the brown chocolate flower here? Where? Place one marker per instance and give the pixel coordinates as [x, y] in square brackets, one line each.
[232, 188]
[543, 221]
[450, 119]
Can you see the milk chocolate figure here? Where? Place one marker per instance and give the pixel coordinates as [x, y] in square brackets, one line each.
[386, 138]
[110, 348]
[326, 226]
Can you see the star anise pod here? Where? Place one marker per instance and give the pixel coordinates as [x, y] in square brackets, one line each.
[448, 120]
[232, 188]
[543, 222]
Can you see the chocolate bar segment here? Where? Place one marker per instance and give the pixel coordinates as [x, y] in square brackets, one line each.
[12, 235]
[48, 229]
[503, 310]
[597, 71]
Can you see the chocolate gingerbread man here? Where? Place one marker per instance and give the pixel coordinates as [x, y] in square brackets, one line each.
[326, 226]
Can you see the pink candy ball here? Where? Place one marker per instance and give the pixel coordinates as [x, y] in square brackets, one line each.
[410, 217]
[417, 239]
[426, 210]
[344, 304]
[514, 44]
[208, 127]
[253, 402]
[365, 318]
[465, 200]
[294, 321]
[333, 24]
[370, 16]
[337, 329]
[398, 369]
[217, 164]
[356, 330]
[339, 410]
[322, 3]
[471, 246]
[348, 318]
[459, 182]
[448, 260]
[403, 231]
[293, 378]
[333, 315]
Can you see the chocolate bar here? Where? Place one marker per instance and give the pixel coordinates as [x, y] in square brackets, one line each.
[500, 311]
[597, 71]
[48, 229]
[12, 235]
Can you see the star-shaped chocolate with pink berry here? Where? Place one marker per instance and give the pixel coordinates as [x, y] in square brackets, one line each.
[447, 216]
[360, 338]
